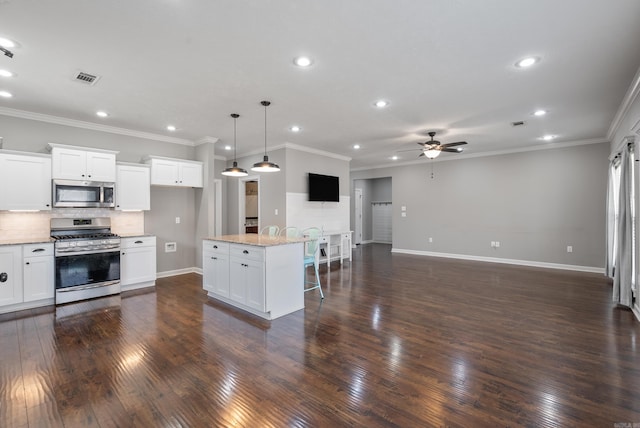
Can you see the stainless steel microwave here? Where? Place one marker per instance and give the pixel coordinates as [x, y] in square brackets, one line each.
[83, 194]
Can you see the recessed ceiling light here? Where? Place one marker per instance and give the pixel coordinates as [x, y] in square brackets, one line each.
[6, 43]
[547, 137]
[102, 113]
[394, 157]
[295, 128]
[171, 128]
[539, 112]
[5, 94]
[381, 103]
[6, 73]
[302, 61]
[527, 62]
[227, 147]
[356, 146]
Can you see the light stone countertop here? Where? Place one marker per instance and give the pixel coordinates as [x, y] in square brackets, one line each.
[22, 241]
[135, 235]
[257, 240]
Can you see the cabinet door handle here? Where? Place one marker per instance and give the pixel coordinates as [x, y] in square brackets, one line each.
[37, 250]
[138, 242]
[245, 252]
[47, 205]
[214, 258]
[27, 263]
[123, 253]
[215, 246]
[4, 277]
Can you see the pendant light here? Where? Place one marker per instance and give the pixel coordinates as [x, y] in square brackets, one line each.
[265, 165]
[235, 170]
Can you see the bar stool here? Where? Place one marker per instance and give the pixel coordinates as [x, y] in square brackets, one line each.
[270, 231]
[311, 250]
[290, 232]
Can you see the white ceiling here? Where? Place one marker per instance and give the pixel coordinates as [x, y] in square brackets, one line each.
[445, 65]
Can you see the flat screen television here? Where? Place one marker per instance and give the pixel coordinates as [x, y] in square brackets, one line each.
[324, 188]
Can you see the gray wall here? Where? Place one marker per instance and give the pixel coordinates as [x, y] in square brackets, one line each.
[166, 203]
[301, 163]
[535, 203]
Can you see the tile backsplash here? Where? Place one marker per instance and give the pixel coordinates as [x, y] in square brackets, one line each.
[35, 225]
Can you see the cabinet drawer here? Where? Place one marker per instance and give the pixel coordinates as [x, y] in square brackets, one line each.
[215, 246]
[247, 251]
[140, 241]
[37, 250]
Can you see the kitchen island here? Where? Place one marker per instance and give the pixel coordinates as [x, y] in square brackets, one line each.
[259, 274]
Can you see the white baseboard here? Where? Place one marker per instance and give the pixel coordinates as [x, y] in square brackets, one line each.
[168, 273]
[505, 261]
[366, 242]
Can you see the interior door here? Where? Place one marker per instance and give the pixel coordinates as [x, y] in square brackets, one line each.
[358, 217]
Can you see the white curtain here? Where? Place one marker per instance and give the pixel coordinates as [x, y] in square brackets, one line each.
[612, 210]
[623, 261]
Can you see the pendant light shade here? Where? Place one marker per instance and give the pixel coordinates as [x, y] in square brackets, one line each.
[265, 165]
[235, 170]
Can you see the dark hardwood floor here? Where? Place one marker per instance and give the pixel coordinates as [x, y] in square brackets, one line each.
[399, 340]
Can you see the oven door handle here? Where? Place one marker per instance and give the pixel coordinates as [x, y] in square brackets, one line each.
[61, 252]
[87, 287]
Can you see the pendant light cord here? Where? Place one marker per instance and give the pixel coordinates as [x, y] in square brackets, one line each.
[235, 119]
[265, 129]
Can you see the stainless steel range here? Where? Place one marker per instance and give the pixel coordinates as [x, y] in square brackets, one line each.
[87, 258]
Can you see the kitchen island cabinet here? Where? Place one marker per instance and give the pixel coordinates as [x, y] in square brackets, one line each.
[259, 274]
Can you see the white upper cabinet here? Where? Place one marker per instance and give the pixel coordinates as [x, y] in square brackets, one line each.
[25, 181]
[175, 172]
[71, 163]
[133, 187]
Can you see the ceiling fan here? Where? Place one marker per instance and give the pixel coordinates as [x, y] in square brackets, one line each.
[432, 148]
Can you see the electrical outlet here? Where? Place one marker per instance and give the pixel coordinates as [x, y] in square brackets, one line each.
[404, 214]
[497, 244]
[430, 239]
[177, 220]
[276, 211]
[493, 244]
[170, 247]
[569, 249]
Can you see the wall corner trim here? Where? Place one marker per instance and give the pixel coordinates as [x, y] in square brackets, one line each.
[627, 101]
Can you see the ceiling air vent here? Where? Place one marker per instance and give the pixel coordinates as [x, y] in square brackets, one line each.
[87, 78]
[518, 123]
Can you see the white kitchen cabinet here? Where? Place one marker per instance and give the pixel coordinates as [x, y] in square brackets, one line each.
[175, 172]
[265, 276]
[137, 262]
[246, 276]
[133, 187]
[38, 272]
[70, 163]
[215, 267]
[10, 274]
[26, 181]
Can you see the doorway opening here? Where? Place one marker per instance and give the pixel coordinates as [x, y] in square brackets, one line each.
[249, 205]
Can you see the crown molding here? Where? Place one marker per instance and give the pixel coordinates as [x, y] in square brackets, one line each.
[22, 114]
[207, 139]
[629, 98]
[316, 151]
[548, 146]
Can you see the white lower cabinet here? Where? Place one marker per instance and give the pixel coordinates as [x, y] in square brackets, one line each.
[264, 280]
[10, 275]
[26, 276]
[137, 262]
[38, 272]
[215, 267]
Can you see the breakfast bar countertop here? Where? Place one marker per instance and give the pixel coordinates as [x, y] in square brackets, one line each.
[257, 240]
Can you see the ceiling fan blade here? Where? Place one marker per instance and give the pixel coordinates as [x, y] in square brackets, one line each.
[421, 154]
[459, 143]
[444, 149]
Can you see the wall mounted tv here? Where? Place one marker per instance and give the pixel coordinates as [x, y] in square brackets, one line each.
[324, 188]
